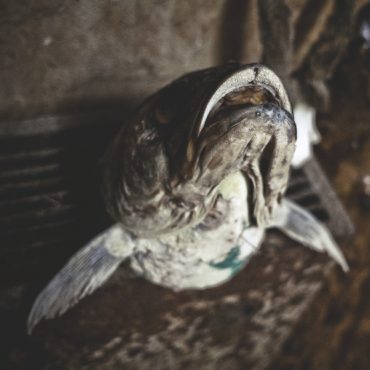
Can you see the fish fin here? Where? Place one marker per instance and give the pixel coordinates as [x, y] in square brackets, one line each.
[86, 271]
[300, 225]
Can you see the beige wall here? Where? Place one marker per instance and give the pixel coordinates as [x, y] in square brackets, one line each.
[60, 53]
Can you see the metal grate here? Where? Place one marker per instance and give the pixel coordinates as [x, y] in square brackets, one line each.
[310, 188]
[49, 196]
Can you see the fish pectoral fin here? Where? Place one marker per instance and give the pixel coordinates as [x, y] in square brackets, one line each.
[301, 226]
[86, 271]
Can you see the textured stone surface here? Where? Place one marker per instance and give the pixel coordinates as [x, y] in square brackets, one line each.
[132, 324]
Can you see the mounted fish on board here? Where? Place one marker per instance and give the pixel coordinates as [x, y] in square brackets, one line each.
[193, 182]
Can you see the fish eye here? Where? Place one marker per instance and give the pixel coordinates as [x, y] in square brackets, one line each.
[258, 114]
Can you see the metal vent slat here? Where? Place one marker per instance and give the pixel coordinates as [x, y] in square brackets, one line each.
[30, 218]
[52, 243]
[29, 234]
[300, 194]
[13, 190]
[28, 155]
[37, 158]
[30, 172]
[23, 144]
[36, 202]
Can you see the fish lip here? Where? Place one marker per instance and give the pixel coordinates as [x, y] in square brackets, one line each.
[247, 75]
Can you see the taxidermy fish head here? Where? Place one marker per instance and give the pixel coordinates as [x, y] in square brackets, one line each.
[163, 170]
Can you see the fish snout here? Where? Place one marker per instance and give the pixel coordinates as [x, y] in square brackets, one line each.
[274, 112]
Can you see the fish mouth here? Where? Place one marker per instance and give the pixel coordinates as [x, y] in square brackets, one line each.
[253, 84]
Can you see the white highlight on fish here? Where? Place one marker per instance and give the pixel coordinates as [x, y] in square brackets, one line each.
[307, 134]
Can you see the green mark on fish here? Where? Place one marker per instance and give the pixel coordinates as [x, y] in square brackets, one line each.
[231, 261]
